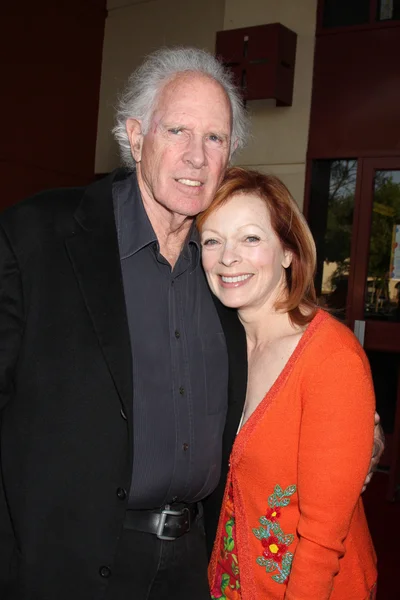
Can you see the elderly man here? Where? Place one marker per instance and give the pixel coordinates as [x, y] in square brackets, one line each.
[118, 400]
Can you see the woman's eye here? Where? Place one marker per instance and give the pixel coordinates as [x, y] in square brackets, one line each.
[210, 242]
[252, 239]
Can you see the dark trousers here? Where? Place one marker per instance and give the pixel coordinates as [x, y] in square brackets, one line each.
[147, 568]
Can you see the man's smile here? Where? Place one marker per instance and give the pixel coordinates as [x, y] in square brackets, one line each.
[190, 182]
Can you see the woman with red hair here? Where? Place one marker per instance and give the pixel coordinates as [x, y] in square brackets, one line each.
[292, 523]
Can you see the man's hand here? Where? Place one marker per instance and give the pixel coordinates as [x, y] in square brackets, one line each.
[379, 445]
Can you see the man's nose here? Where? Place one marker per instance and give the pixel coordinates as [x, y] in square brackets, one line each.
[195, 153]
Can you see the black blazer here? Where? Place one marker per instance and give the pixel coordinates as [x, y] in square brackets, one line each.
[66, 395]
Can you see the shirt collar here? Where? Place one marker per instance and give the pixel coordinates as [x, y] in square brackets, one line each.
[133, 225]
[192, 245]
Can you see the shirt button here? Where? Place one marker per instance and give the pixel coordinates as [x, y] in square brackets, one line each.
[185, 447]
[121, 493]
[181, 390]
[177, 334]
[104, 572]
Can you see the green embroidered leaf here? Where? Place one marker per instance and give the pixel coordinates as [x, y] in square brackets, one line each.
[264, 521]
[229, 526]
[288, 539]
[234, 567]
[278, 491]
[224, 582]
[279, 578]
[229, 544]
[284, 502]
[276, 528]
[287, 561]
[272, 501]
[269, 564]
[290, 490]
[264, 531]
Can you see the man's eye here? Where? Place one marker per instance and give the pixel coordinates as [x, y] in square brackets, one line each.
[175, 130]
[214, 138]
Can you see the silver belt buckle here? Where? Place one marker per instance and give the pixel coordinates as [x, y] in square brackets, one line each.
[163, 517]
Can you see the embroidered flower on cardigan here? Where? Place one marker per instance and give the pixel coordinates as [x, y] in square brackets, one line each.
[274, 541]
[273, 514]
[273, 548]
[226, 584]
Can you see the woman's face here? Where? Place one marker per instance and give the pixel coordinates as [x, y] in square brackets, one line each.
[242, 256]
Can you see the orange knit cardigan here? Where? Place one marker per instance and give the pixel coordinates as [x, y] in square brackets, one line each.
[292, 523]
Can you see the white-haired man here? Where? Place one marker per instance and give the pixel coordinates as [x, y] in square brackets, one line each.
[121, 382]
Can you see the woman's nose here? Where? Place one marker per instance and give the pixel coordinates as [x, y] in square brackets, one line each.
[229, 256]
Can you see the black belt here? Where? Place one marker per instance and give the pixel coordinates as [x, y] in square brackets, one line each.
[167, 524]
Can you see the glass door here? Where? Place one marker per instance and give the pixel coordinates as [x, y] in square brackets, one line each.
[376, 290]
[331, 216]
[354, 215]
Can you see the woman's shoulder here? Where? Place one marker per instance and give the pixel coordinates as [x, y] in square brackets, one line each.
[334, 364]
[329, 338]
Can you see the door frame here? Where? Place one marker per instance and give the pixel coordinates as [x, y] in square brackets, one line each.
[379, 335]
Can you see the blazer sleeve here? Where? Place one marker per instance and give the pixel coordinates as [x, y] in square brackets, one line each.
[11, 328]
[335, 448]
[11, 317]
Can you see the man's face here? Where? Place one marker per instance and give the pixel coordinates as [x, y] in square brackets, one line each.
[182, 158]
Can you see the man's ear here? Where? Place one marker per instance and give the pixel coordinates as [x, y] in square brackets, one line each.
[135, 135]
[232, 150]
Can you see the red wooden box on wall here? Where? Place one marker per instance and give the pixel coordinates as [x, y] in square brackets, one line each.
[263, 60]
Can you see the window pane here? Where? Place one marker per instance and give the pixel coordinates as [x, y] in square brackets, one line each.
[340, 13]
[331, 222]
[382, 299]
[388, 10]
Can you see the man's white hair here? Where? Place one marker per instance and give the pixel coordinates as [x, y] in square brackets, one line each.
[140, 95]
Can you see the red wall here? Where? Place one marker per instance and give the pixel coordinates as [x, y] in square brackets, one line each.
[356, 94]
[51, 65]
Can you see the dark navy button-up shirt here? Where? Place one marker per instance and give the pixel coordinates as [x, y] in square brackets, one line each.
[180, 363]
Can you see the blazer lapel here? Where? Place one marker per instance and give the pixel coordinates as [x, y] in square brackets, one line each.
[94, 253]
[237, 354]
